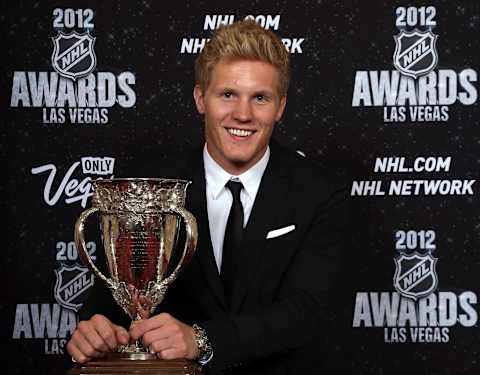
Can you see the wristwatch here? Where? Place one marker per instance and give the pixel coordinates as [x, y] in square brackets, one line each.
[203, 343]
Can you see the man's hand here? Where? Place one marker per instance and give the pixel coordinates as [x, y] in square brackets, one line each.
[95, 337]
[166, 336]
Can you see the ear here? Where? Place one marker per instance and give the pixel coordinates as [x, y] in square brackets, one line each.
[281, 108]
[199, 100]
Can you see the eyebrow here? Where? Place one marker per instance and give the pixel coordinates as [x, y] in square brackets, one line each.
[264, 92]
[225, 88]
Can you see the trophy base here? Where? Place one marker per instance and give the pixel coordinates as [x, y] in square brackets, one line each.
[137, 348]
[136, 363]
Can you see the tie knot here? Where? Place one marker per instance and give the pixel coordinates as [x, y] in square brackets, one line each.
[235, 187]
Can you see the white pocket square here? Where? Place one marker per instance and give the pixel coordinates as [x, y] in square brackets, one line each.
[280, 232]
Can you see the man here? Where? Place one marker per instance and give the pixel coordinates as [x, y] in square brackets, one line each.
[253, 299]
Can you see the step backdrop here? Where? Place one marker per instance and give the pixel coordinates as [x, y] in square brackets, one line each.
[384, 96]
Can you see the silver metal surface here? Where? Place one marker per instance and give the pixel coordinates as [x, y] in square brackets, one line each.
[140, 222]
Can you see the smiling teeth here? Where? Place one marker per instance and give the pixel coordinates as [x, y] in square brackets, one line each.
[240, 133]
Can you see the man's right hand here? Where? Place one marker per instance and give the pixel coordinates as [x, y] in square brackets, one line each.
[95, 337]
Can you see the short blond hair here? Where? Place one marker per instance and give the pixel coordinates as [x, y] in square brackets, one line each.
[248, 40]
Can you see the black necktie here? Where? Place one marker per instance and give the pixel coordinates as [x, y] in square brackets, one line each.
[232, 239]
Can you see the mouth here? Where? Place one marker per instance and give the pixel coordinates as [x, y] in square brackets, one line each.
[240, 133]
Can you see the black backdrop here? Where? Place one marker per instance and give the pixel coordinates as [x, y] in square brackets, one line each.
[342, 57]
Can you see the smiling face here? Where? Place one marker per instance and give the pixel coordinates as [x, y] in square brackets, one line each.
[241, 106]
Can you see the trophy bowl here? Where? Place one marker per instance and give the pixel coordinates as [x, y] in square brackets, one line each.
[140, 223]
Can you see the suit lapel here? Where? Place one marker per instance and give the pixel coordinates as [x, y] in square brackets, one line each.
[197, 204]
[271, 193]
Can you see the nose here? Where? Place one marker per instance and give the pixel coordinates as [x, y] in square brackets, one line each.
[243, 111]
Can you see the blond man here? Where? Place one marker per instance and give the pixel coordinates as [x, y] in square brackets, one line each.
[253, 299]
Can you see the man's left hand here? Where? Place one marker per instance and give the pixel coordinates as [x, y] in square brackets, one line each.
[168, 337]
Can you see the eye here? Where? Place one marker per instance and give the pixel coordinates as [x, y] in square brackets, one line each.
[262, 98]
[227, 94]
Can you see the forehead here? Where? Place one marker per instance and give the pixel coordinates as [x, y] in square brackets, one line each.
[244, 74]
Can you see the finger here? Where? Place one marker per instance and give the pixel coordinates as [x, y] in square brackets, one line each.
[164, 332]
[87, 333]
[106, 330]
[142, 326]
[108, 335]
[84, 346]
[76, 353]
[160, 345]
[121, 334]
[171, 353]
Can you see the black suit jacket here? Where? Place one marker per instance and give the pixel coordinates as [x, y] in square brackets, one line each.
[275, 322]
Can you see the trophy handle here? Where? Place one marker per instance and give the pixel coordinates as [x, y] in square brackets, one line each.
[81, 247]
[190, 242]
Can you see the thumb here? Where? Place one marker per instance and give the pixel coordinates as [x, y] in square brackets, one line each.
[123, 337]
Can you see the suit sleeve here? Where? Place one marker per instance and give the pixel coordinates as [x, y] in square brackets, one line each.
[302, 305]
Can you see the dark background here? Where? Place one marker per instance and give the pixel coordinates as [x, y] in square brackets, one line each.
[341, 37]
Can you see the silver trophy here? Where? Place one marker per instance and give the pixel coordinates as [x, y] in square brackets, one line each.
[140, 222]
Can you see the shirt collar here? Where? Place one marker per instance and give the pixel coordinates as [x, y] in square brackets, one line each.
[216, 177]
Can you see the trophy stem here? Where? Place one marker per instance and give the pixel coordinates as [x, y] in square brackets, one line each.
[137, 350]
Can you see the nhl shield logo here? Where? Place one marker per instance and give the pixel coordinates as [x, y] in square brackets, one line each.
[71, 283]
[415, 53]
[73, 55]
[415, 275]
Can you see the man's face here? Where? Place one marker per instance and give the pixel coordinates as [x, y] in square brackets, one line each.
[241, 105]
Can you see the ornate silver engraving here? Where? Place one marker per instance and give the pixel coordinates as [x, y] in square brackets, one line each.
[141, 196]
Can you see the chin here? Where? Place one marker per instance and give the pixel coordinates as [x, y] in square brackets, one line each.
[238, 162]
[239, 159]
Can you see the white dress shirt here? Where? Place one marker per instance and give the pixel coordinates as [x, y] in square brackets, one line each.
[219, 197]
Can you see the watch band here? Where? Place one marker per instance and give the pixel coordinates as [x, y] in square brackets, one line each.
[203, 343]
